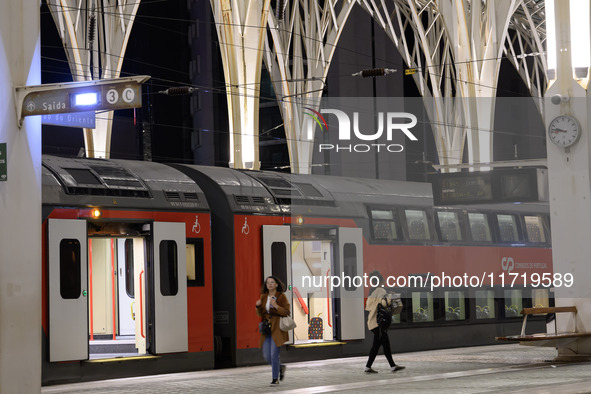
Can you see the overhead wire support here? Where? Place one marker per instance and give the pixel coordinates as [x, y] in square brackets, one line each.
[374, 72]
[178, 91]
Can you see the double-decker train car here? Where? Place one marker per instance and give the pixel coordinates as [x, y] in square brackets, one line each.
[153, 268]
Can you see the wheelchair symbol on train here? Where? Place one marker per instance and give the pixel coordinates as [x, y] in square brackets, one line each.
[196, 226]
[245, 228]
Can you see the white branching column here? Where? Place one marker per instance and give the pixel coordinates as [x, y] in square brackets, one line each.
[477, 35]
[524, 47]
[241, 26]
[430, 53]
[304, 38]
[457, 49]
[95, 35]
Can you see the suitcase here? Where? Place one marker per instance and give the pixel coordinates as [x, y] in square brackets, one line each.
[315, 329]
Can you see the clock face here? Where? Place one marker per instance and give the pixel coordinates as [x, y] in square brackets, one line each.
[563, 130]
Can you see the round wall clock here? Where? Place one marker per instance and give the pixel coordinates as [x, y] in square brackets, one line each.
[564, 130]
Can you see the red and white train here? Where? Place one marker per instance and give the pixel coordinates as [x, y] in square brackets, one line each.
[153, 268]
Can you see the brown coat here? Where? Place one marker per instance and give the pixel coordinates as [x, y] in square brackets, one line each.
[279, 337]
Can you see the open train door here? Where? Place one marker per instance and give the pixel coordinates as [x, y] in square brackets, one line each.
[277, 258]
[170, 329]
[350, 264]
[68, 281]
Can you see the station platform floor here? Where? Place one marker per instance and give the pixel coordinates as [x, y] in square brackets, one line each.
[485, 369]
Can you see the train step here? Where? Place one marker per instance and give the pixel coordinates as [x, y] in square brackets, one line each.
[119, 345]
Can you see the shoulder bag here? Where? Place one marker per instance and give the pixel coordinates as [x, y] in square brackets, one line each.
[286, 323]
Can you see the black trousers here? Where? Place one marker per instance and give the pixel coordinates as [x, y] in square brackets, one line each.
[380, 337]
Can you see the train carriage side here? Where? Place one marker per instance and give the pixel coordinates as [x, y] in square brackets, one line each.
[240, 206]
[405, 236]
[126, 270]
[356, 200]
[294, 227]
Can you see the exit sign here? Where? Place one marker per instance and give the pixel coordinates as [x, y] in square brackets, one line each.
[3, 161]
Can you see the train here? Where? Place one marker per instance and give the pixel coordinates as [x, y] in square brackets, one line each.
[155, 267]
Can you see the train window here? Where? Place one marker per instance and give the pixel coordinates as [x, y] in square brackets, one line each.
[129, 271]
[169, 273]
[508, 228]
[449, 226]
[534, 229]
[418, 226]
[83, 176]
[195, 263]
[422, 306]
[70, 270]
[485, 304]
[278, 261]
[479, 227]
[513, 303]
[384, 225]
[350, 265]
[455, 308]
[539, 298]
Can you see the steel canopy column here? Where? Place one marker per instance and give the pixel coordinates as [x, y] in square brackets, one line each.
[450, 42]
[95, 40]
[241, 26]
[298, 59]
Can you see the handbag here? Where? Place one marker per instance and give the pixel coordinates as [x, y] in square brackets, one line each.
[389, 305]
[286, 323]
[265, 327]
[384, 315]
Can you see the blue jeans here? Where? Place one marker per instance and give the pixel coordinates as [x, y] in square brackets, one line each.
[271, 354]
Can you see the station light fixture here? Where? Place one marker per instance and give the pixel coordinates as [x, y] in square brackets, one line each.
[85, 99]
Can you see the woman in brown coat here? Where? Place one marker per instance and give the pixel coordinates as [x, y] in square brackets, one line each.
[271, 306]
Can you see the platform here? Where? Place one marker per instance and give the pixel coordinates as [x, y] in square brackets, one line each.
[499, 368]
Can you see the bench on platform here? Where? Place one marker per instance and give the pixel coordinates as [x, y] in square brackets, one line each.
[546, 339]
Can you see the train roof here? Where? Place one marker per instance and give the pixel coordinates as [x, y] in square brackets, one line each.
[510, 207]
[118, 183]
[273, 192]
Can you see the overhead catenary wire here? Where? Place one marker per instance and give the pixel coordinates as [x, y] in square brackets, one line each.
[303, 37]
[220, 90]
